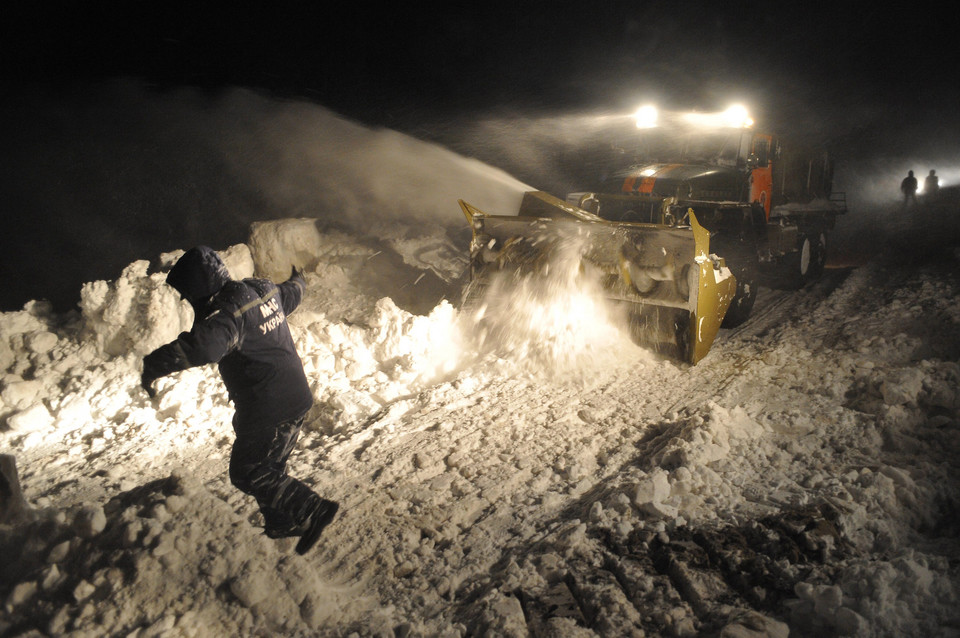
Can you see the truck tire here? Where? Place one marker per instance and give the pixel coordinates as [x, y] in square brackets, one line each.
[806, 265]
[740, 256]
[743, 300]
[819, 257]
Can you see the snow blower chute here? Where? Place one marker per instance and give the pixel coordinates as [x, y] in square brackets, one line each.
[676, 293]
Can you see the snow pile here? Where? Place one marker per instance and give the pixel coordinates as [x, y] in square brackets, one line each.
[886, 598]
[357, 370]
[360, 353]
[62, 373]
[32, 354]
[62, 376]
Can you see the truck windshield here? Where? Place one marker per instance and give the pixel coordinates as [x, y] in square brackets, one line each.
[712, 148]
[722, 148]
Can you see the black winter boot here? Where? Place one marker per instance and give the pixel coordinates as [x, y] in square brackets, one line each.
[284, 532]
[318, 520]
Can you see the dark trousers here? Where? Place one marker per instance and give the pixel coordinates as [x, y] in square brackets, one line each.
[258, 466]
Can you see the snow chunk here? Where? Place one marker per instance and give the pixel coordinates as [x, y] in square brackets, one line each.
[701, 439]
[651, 492]
[41, 341]
[902, 387]
[277, 245]
[25, 332]
[753, 624]
[33, 419]
[89, 521]
[21, 394]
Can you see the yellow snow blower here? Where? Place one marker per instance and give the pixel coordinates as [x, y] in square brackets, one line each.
[674, 290]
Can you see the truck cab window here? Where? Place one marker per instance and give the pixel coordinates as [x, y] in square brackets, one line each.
[761, 150]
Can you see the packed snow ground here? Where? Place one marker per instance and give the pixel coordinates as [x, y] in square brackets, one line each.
[560, 482]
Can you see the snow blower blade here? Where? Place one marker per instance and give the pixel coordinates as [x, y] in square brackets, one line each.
[676, 293]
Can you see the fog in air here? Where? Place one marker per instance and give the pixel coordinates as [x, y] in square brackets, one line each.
[96, 178]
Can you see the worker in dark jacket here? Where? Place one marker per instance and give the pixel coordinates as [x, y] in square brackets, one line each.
[909, 189]
[241, 325]
[931, 185]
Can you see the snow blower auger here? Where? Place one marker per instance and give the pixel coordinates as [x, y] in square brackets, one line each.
[675, 292]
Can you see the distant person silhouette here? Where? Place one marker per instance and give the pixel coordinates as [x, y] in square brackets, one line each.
[931, 185]
[909, 188]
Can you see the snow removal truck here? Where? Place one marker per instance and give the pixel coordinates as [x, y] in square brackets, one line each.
[682, 239]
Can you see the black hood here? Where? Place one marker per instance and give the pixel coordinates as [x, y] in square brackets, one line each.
[198, 275]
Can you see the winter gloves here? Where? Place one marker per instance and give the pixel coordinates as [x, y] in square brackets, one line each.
[160, 363]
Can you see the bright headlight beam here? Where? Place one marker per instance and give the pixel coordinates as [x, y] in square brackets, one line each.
[736, 116]
[646, 116]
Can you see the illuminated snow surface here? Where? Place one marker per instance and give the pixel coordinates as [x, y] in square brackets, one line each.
[521, 469]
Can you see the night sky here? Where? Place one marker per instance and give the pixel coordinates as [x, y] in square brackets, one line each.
[871, 82]
[849, 68]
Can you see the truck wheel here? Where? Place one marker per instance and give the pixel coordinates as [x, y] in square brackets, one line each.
[807, 263]
[740, 256]
[818, 261]
[743, 300]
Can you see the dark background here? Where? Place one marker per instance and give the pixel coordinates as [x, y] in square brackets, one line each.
[874, 83]
[859, 64]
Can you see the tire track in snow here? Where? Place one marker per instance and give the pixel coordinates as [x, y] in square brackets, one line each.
[485, 469]
[599, 584]
[482, 502]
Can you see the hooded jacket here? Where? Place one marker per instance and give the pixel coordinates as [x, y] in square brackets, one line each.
[241, 326]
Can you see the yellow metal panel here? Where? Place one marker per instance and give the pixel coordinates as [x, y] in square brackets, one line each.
[713, 297]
